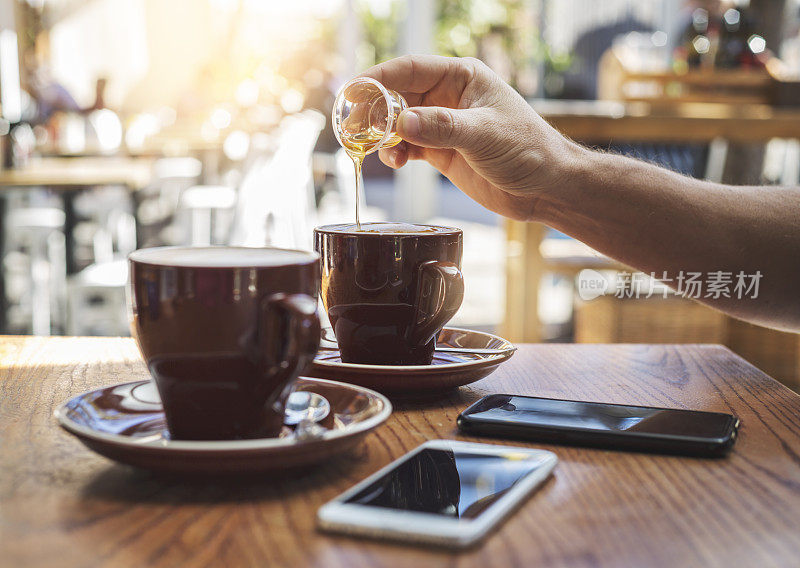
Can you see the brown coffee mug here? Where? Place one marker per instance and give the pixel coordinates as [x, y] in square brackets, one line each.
[225, 331]
[389, 288]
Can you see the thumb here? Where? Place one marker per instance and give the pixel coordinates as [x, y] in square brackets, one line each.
[435, 127]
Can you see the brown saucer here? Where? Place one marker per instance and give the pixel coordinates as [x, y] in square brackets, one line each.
[447, 371]
[126, 423]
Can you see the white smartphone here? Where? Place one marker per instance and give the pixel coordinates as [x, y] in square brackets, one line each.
[444, 492]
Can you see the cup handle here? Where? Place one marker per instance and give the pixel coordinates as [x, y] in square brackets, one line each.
[287, 336]
[440, 290]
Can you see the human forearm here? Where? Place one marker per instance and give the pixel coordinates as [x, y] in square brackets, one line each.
[655, 221]
[476, 130]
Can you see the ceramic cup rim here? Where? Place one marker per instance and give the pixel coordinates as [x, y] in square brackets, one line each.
[335, 229]
[140, 256]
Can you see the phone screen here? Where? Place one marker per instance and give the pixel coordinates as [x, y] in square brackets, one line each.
[609, 418]
[451, 483]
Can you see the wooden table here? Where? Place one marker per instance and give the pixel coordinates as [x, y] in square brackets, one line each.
[62, 505]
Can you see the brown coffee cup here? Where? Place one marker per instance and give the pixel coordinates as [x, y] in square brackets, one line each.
[389, 288]
[225, 331]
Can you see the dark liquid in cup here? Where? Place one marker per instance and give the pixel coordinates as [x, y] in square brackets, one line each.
[216, 337]
[389, 288]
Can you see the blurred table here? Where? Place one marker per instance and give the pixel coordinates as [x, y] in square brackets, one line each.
[66, 174]
[69, 176]
[603, 122]
[155, 147]
[162, 145]
[60, 504]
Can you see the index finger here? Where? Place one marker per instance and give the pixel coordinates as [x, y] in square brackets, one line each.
[419, 73]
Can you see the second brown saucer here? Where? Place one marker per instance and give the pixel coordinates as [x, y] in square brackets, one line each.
[449, 369]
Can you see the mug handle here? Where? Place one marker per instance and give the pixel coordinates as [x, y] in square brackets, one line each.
[440, 290]
[287, 336]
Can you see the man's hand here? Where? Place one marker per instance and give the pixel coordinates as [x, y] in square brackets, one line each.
[476, 130]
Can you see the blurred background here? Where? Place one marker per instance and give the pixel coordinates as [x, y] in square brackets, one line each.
[130, 123]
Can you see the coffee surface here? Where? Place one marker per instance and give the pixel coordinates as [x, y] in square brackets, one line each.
[221, 257]
[388, 229]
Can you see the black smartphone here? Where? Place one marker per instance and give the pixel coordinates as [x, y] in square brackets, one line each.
[613, 426]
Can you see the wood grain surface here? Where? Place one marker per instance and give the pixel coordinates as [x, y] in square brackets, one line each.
[60, 505]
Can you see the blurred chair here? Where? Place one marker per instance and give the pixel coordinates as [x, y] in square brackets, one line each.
[346, 182]
[339, 203]
[96, 295]
[96, 300]
[276, 204]
[38, 232]
[207, 206]
[106, 219]
[158, 203]
[782, 162]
